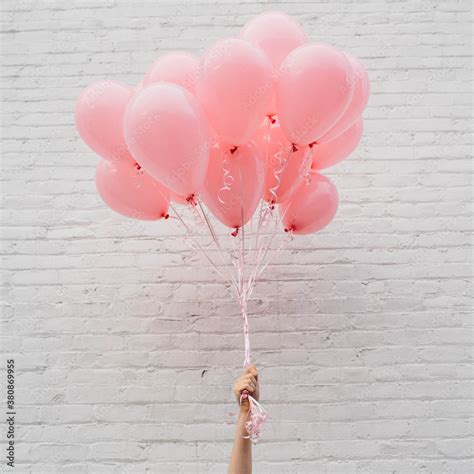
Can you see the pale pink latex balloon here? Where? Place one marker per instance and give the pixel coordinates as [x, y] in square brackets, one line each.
[167, 133]
[177, 68]
[234, 182]
[311, 207]
[235, 88]
[99, 114]
[285, 165]
[330, 153]
[276, 34]
[128, 190]
[358, 102]
[313, 91]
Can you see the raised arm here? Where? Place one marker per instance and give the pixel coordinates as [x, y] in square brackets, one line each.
[241, 457]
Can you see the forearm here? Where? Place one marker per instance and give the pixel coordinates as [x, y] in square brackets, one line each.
[241, 457]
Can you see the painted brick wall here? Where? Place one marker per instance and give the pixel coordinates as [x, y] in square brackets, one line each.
[125, 357]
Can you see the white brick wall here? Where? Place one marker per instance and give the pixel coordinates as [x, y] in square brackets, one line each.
[366, 327]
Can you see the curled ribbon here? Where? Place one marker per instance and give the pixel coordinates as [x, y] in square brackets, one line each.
[283, 163]
[256, 418]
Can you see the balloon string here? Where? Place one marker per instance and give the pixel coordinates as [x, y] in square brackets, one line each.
[190, 237]
[307, 158]
[266, 217]
[269, 210]
[215, 239]
[242, 284]
[276, 221]
[257, 415]
[243, 310]
[242, 223]
[241, 271]
[261, 210]
[283, 244]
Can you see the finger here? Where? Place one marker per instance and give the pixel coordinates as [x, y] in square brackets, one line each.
[251, 369]
[252, 379]
[249, 387]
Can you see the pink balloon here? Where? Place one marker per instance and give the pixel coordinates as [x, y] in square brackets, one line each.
[332, 152]
[235, 88]
[285, 166]
[276, 34]
[167, 133]
[311, 207]
[234, 182]
[99, 114]
[359, 100]
[313, 91]
[177, 68]
[126, 189]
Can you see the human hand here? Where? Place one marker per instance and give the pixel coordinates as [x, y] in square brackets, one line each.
[247, 381]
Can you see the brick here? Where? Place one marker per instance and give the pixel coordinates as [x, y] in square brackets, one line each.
[126, 342]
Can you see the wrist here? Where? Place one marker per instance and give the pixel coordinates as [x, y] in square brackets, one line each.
[244, 410]
[242, 418]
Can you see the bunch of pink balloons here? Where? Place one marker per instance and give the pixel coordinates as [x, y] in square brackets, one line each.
[256, 117]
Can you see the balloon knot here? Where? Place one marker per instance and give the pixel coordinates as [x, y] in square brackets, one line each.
[272, 118]
[294, 148]
[312, 144]
[233, 149]
[166, 216]
[191, 200]
[235, 233]
[272, 204]
[138, 167]
[290, 229]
